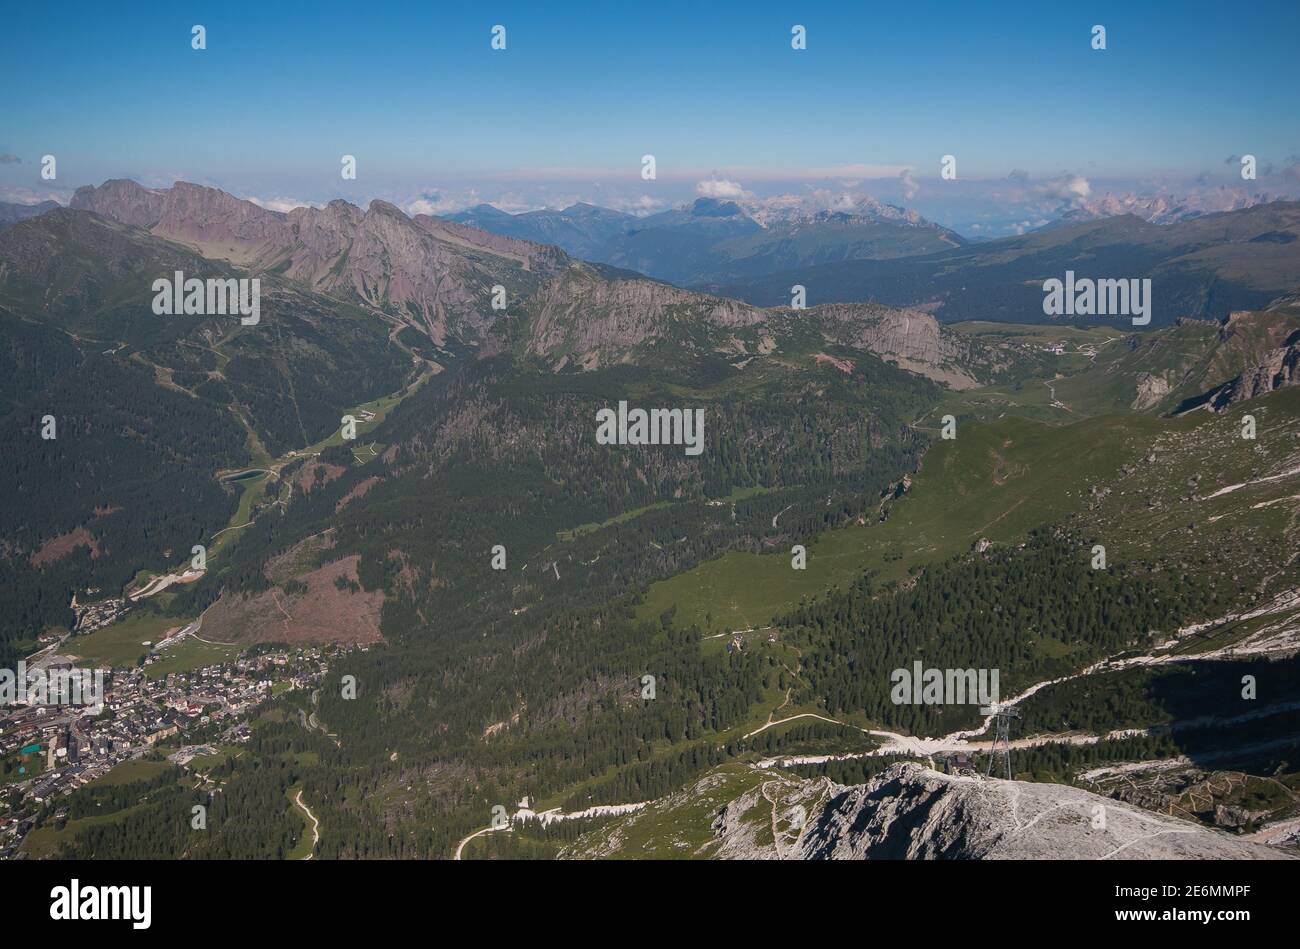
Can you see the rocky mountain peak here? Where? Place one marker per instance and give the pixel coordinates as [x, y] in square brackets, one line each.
[913, 812]
[122, 200]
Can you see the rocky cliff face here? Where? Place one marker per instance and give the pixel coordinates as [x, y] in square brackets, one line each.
[1278, 369]
[124, 201]
[908, 812]
[438, 275]
[913, 339]
[586, 318]
[1151, 390]
[220, 224]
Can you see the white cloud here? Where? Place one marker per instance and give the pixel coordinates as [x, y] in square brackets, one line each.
[719, 188]
[435, 203]
[909, 185]
[643, 204]
[279, 204]
[1072, 189]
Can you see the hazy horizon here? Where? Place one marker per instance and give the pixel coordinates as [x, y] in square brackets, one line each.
[1036, 119]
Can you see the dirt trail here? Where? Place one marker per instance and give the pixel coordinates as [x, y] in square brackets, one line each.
[1263, 640]
[552, 815]
[315, 824]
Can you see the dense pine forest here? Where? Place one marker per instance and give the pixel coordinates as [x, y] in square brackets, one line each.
[1032, 613]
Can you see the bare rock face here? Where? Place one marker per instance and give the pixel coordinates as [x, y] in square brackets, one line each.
[390, 261]
[1280, 368]
[215, 223]
[911, 812]
[323, 238]
[220, 223]
[124, 201]
[1151, 390]
[597, 321]
[908, 812]
[427, 275]
[912, 339]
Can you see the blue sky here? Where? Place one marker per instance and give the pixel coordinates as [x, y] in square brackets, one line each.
[582, 91]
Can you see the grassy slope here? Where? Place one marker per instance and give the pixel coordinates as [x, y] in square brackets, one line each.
[999, 480]
[121, 644]
[995, 481]
[1101, 368]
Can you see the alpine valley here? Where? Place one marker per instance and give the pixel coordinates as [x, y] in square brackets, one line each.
[486, 632]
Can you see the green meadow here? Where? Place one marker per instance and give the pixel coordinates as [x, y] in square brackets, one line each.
[994, 481]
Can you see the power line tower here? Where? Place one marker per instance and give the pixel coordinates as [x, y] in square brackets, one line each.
[1003, 714]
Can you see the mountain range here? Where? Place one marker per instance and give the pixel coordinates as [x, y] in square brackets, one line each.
[771, 733]
[1204, 263]
[712, 240]
[1205, 258]
[434, 277]
[1201, 268]
[357, 304]
[1160, 208]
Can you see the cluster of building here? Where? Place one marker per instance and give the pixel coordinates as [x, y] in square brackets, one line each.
[91, 616]
[49, 751]
[737, 642]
